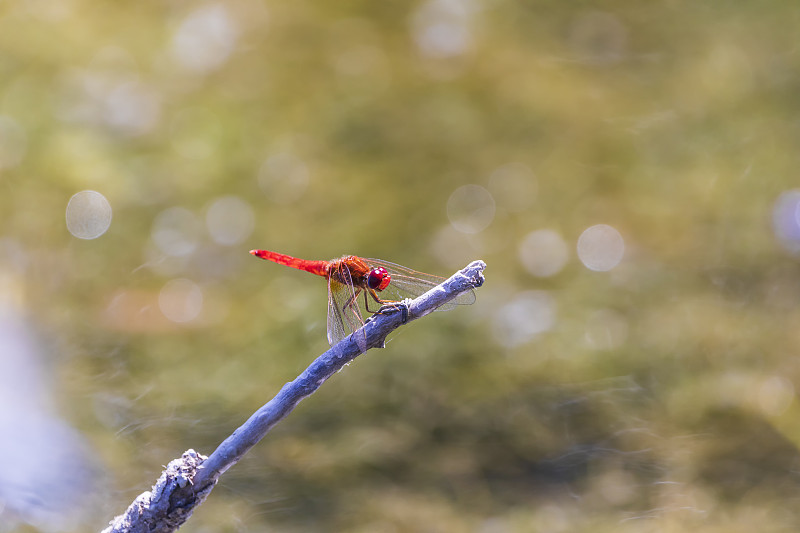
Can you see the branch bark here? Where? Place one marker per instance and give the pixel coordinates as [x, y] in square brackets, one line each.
[187, 482]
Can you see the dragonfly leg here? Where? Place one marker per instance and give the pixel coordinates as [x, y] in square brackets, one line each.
[353, 309]
[383, 303]
[366, 304]
[350, 307]
[349, 302]
[389, 306]
[401, 306]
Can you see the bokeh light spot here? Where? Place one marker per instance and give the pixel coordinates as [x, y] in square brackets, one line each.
[229, 220]
[176, 231]
[775, 395]
[470, 209]
[132, 108]
[180, 300]
[109, 92]
[786, 220]
[543, 253]
[283, 178]
[530, 314]
[443, 39]
[88, 215]
[205, 39]
[601, 247]
[48, 11]
[441, 28]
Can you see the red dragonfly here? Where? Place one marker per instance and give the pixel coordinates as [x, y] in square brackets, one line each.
[351, 276]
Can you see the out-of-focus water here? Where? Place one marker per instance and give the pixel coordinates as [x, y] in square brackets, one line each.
[626, 171]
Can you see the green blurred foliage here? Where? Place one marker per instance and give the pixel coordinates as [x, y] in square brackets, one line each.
[346, 130]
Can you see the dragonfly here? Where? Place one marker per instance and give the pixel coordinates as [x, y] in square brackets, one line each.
[350, 277]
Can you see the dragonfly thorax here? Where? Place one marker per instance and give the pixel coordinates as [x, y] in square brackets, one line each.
[352, 270]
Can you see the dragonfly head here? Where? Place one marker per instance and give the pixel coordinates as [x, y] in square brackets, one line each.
[378, 279]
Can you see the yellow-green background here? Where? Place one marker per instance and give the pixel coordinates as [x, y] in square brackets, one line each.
[676, 122]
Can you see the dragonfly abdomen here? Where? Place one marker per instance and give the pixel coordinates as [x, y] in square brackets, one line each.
[320, 268]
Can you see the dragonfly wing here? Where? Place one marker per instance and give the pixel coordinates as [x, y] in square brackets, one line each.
[408, 283]
[344, 316]
[336, 329]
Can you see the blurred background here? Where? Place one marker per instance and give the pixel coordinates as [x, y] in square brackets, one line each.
[626, 172]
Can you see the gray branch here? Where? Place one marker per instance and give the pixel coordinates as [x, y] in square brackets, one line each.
[187, 481]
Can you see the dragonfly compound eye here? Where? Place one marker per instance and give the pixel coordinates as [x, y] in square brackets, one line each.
[378, 279]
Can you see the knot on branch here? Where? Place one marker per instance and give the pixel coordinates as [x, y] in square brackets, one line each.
[169, 503]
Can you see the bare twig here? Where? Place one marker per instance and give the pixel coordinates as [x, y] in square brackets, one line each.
[187, 481]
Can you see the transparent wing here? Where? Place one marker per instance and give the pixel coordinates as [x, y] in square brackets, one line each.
[336, 329]
[408, 283]
[344, 316]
